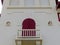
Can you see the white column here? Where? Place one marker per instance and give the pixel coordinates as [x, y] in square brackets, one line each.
[19, 43]
[37, 2]
[22, 3]
[37, 42]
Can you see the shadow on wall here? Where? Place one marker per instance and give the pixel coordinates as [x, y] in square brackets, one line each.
[2, 2]
[0, 15]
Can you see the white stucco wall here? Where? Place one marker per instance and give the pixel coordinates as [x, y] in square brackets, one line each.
[49, 34]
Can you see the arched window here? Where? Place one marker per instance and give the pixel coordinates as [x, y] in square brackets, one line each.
[28, 27]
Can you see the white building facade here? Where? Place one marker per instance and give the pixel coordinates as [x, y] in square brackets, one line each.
[43, 12]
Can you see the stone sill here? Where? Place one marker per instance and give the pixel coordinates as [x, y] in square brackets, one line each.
[16, 7]
[28, 38]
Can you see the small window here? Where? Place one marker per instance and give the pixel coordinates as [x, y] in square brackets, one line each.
[28, 2]
[14, 2]
[44, 2]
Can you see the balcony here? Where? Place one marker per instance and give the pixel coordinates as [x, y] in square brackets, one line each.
[28, 33]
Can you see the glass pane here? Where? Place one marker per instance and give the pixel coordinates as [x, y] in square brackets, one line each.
[28, 2]
[44, 2]
[14, 2]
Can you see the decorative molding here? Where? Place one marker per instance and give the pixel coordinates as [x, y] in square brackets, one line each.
[14, 12]
[8, 23]
[43, 12]
[50, 23]
[29, 7]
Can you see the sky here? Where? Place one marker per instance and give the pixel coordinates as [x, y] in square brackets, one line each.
[58, 0]
[1, 6]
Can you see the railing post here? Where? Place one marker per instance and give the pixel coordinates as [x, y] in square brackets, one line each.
[28, 33]
[17, 33]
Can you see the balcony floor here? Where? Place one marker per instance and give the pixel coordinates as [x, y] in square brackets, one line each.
[28, 38]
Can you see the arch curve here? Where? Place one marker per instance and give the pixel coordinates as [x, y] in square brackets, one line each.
[28, 24]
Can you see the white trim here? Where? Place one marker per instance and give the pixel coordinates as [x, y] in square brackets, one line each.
[28, 38]
[37, 42]
[19, 43]
[17, 7]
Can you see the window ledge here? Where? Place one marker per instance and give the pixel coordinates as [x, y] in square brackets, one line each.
[28, 38]
[16, 7]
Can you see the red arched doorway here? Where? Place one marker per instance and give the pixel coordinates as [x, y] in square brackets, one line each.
[28, 27]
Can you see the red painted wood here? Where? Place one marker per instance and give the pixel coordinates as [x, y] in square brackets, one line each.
[29, 24]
